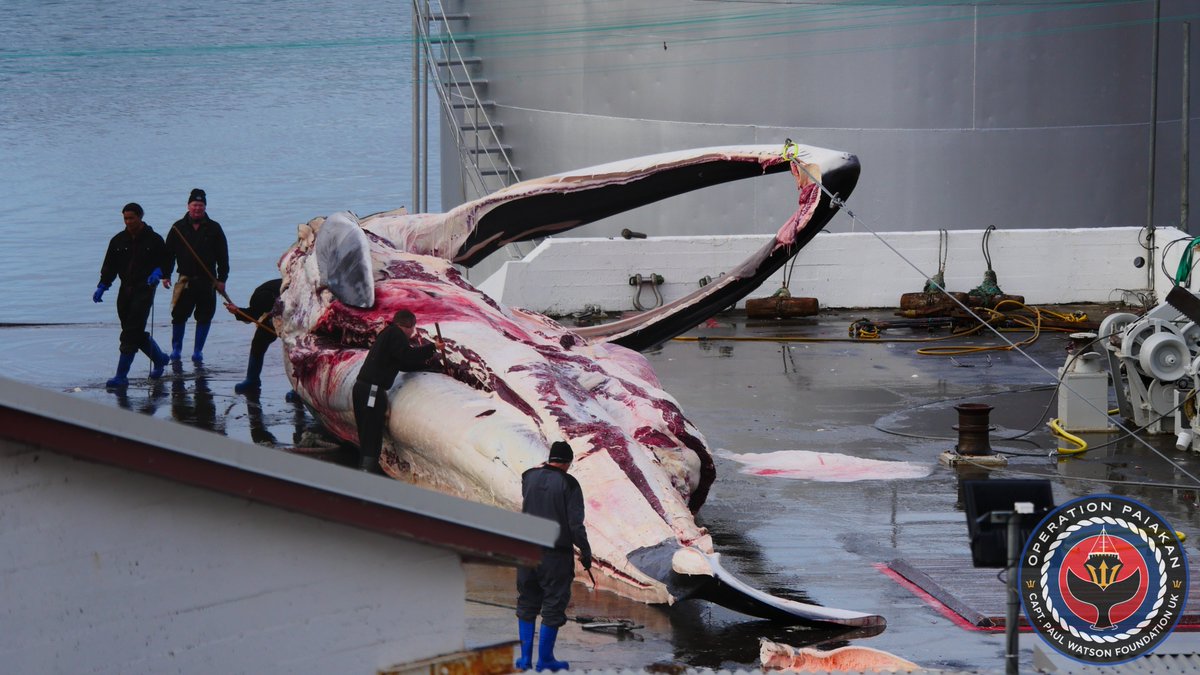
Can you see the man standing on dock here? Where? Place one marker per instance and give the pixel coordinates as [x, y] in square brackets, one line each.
[550, 492]
[198, 244]
[136, 255]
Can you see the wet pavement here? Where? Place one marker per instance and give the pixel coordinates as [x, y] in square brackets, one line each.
[813, 541]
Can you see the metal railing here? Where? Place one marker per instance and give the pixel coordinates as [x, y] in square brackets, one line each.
[485, 161]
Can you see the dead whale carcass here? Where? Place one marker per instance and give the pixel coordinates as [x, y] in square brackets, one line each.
[519, 380]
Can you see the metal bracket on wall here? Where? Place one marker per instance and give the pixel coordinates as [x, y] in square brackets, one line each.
[640, 282]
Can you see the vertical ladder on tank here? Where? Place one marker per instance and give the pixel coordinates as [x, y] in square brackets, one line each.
[485, 159]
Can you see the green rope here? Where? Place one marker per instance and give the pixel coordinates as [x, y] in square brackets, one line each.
[1184, 272]
[934, 284]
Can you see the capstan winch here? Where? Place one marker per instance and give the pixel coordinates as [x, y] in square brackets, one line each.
[1154, 363]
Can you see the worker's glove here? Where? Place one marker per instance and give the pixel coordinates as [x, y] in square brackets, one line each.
[155, 277]
[586, 561]
[98, 296]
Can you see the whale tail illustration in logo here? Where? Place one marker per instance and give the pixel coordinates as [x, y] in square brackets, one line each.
[1102, 589]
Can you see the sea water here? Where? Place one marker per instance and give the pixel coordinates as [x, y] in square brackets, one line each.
[280, 110]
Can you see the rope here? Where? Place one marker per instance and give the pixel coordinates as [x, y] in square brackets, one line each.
[943, 250]
[987, 254]
[943, 253]
[1183, 273]
[1034, 324]
[1046, 570]
[864, 330]
[213, 279]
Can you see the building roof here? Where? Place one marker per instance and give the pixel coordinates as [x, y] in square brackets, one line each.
[93, 432]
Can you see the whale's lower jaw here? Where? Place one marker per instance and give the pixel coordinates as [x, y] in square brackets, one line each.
[727, 591]
[689, 573]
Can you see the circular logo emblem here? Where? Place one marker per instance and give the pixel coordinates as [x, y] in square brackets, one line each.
[1103, 579]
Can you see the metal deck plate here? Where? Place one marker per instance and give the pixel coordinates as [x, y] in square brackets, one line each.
[975, 596]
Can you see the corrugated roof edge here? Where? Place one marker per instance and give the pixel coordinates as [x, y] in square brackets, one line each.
[91, 431]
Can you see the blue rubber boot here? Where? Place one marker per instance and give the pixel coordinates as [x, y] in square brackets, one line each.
[177, 330]
[157, 357]
[253, 370]
[121, 379]
[525, 632]
[546, 660]
[201, 336]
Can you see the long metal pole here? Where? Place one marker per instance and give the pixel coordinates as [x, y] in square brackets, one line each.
[416, 109]
[418, 133]
[1185, 154]
[425, 77]
[1012, 637]
[423, 99]
[1150, 268]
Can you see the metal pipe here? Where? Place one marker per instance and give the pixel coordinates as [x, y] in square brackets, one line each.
[1185, 118]
[427, 73]
[1011, 635]
[416, 108]
[1150, 268]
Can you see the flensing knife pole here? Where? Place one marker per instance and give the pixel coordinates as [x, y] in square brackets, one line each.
[441, 345]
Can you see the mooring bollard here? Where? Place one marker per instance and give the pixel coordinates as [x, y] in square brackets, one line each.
[973, 427]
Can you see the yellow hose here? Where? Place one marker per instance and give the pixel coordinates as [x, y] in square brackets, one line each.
[1080, 445]
[994, 315]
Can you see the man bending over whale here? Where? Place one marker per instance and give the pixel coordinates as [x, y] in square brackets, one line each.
[396, 348]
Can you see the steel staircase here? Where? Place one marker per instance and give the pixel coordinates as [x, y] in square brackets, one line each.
[486, 160]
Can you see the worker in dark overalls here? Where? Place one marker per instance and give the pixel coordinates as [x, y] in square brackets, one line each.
[137, 255]
[197, 244]
[262, 306]
[396, 348]
[550, 492]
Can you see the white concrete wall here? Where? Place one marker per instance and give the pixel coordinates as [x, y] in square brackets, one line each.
[109, 571]
[564, 275]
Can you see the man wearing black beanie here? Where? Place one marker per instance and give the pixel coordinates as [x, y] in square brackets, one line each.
[198, 244]
[136, 256]
[550, 492]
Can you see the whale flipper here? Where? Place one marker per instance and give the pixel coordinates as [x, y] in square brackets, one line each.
[344, 259]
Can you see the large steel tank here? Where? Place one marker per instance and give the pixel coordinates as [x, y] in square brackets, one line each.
[966, 114]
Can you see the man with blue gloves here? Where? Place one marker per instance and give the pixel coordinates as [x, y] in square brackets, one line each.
[197, 243]
[137, 255]
[262, 306]
[550, 492]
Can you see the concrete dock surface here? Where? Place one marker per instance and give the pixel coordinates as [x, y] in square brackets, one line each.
[796, 387]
